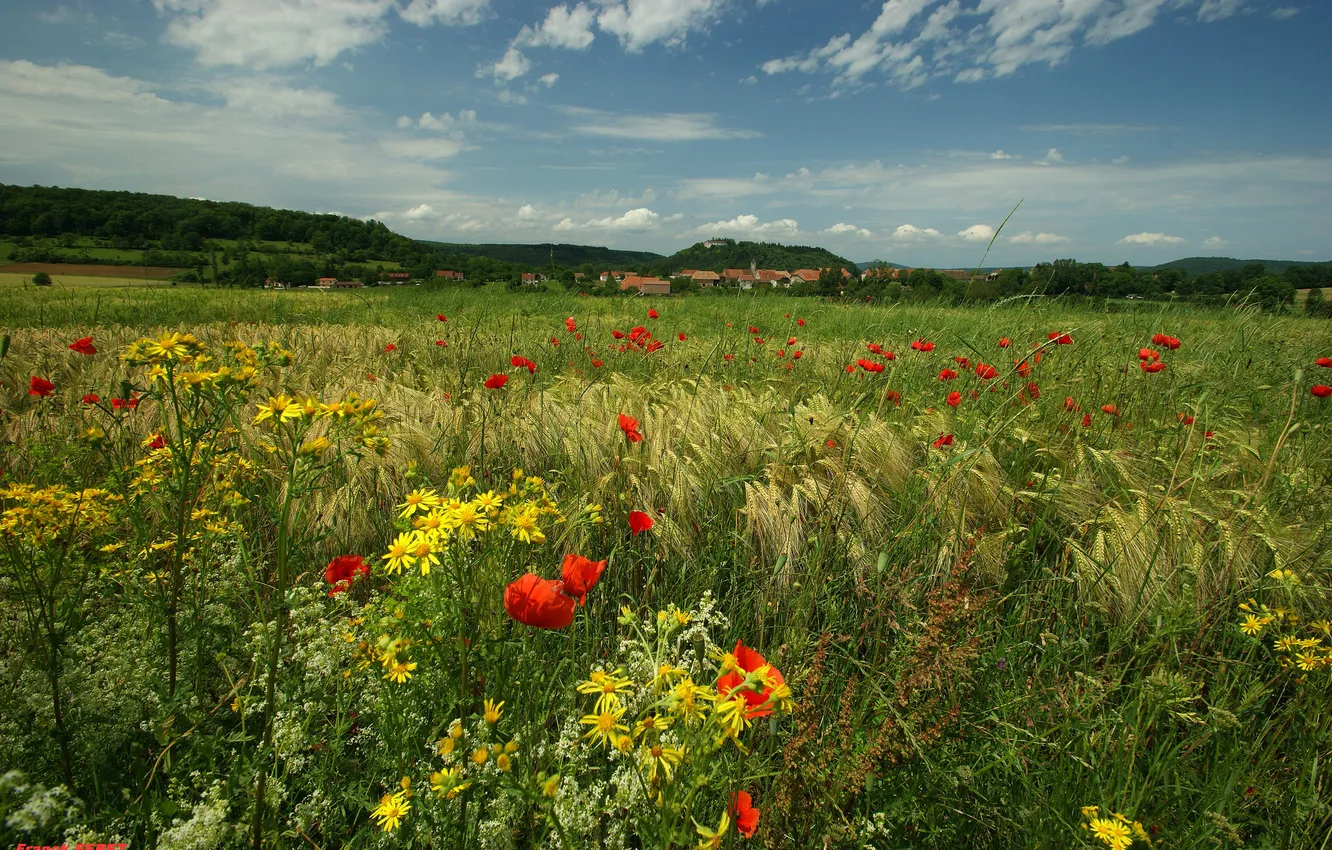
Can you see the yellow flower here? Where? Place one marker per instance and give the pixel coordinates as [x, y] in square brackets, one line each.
[424, 553]
[687, 700]
[503, 762]
[315, 447]
[1253, 624]
[605, 726]
[461, 477]
[400, 555]
[444, 746]
[511, 747]
[490, 502]
[652, 723]
[1323, 626]
[448, 782]
[493, 711]
[711, 839]
[661, 762]
[456, 730]
[466, 520]
[732, 716]
[1306, 661]
[523, 525]
[1286, 644]
[399, 671]
[422, 500]
[282, 407]
[1111, 831]
[391, 810]
[480, 755]
[551, 786]
[607, 687]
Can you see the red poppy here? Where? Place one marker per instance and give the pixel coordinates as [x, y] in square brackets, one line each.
[1148, 354]
[580, 575]
[683, 337]
[895, 397]
[83, 346]
[986, 372]
[797, 355]
[1168, 341]
[922, 345]
[40, 387]
[947, 375]
[571, 324]
[538, 602]
[1151, 367]
[1069, 403]
[1061, 338]
[1086, 420]
[1321, 390]
[728, 357]
[800, 322]
[629, 425]
[388, 349]
[1024, 368]
[869, 365]
[746, 816]
[494, 382]
[1185, 419]
[640, 522]
[1325, 362]
[523, 363]
[963, 362]
[749, 661]
[791, 341]
[91, 398]
[652, 313]
[850, 367]
[944, 440]
[441, 343]
[1110, 409]
[617, 334]
[157, 442]
[874, 348]
[441, 317]
[1005, 342]
[1033, 389]
[753, 329]
[596, 364]
[954, 399]
[343, 570]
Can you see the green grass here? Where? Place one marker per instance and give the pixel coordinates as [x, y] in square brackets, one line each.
[981, 639]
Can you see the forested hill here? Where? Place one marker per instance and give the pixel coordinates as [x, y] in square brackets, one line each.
[1210, 265]
[539, 256]
[136, 220]
[764, 255]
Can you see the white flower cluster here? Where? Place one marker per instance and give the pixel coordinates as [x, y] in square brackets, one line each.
[206, 828]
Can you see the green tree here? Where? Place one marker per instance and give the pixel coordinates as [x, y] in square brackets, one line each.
[44, 279]
[1314, 305]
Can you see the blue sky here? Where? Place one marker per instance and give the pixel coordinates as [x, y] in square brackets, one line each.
[1138, 130]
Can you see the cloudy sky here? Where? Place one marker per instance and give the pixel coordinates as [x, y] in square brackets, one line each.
[906, 130]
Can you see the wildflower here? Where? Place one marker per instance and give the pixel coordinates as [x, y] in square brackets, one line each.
[682, 337]
[40, 387]
[639, 522]
[922, 345]
[1004, 342]
[580, 575]
[629, 425]
[492, 711]
[752, 669]
[1306, 661]
[441, 343]
[1153, 367]
[83, 346]
[503, 762]
[390, 348]
[711, 839]
[1110, 410]
[870, 366]
[480, 756]
[1169, 342]
[519, 362]
[1086, 420]
[1325, 362]
[947, 375]
[391, 811]
[550, 786]
[661, 762]
[686, 699]
[1111, 831]
[605, 725]
[1253, 625]
[1185, 419]
[421, 500]
[944, 440]
[541, 603]
[1321, 390]
[746, 816]
[607, 687]
[448, 782]
[282, 407]
[494, 382]
[570, 324]
[342, 571]
[954, 399]
[1061, 338]
[399, 671]
[400, 555]
[652, 313]
[986, 372]
[441, 317]
[91, 398]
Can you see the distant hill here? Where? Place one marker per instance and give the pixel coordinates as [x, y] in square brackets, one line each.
[1206, 265]
[867, 263]
[539, 256]
[765, 255]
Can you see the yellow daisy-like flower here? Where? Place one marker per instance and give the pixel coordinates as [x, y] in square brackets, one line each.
[688, 699]
[398, 671]
[711, 839]
[418, 500]
[1306, 661]
[1253, 625]
[732, 716]
[492, 711]
[523, 525]
[466, 520]
[400, 555]
[607, 687]
[448, 782]
[490, 502]
[424, 553]
[652, 723]
[391, 811]
[661, 762]
[1114, 833]
[503, 762]
[282, 408]
[1286, 644]
[606, 726]
[480, 756]
[1324, 626]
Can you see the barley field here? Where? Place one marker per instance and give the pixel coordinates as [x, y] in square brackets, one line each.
[462, 569]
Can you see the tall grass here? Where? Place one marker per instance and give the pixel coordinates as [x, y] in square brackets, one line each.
[981, 639]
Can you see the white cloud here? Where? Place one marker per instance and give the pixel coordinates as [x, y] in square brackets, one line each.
[512, 66]
[1285, 12]
[749, 225]
[841, 228]
[272, 33]
[1119, 160]
[1026, 237]
[748, 81]
[1051, 157]
[421, 211]
[527, 212]
[442, 122]
[424, 150]
[999, 154]
[1151, 239]
[548, 80]
[1214, 242]
[640, 219]
[912, 41]
[663, 127]
[423, 13]
[911, 233]
[977, 233]
[639, 23]
[271, 97]
[563, 27]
